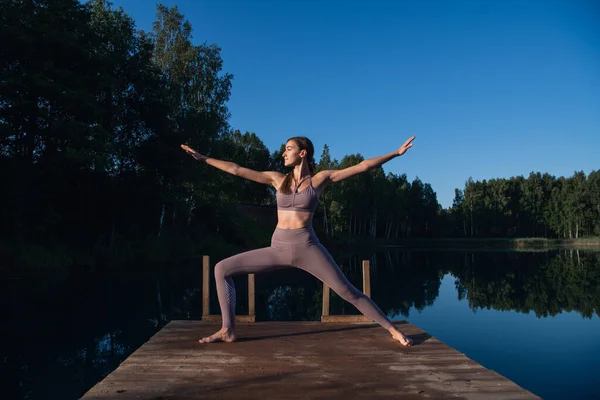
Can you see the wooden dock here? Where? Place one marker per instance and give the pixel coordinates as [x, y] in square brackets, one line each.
[300, 360]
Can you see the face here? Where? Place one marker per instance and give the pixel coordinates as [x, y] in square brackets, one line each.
[292, 154]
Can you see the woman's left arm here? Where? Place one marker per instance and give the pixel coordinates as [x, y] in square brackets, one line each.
[338, 175]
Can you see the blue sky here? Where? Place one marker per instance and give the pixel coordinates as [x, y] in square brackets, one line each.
[490, 88]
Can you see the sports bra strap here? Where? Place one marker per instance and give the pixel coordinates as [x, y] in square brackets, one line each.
[300, 183]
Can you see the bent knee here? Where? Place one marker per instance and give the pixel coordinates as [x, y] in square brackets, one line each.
[222, 269]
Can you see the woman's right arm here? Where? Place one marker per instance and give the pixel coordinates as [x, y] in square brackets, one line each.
[266, 177]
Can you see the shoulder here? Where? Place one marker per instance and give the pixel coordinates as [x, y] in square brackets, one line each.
[321, 178]
[275, 175]
[277, 178]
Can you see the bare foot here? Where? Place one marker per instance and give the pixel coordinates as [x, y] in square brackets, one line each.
[402, 338]
[224, 335]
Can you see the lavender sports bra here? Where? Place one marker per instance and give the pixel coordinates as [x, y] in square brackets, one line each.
[306, 200]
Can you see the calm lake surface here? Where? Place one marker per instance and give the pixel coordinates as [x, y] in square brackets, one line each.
[530, 316]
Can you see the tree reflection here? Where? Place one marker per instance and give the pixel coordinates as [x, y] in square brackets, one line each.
[546, 284]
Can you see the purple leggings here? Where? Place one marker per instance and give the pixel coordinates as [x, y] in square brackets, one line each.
[290, 248]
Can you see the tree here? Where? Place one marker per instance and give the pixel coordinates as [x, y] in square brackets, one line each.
[46, 106]
[325, 163]
[532, 200]
[593, 181]
[457, 209]
[197, 94]
[498, 201]
[276, 162]
[472, 202]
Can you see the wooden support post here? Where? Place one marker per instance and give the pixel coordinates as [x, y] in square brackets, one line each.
[366, 267]
[325, 317]
[205, 286]
[325, 312]
[251, 300]
[251, 317]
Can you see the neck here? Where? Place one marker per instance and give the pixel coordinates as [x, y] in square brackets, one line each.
[300, 171]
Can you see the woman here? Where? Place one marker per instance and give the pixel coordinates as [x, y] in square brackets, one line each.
[294, 243]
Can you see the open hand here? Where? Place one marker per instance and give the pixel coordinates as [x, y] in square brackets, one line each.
[193, 153]
[407, 145]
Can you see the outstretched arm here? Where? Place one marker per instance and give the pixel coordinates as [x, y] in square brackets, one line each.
[332, 176]
[266, 177]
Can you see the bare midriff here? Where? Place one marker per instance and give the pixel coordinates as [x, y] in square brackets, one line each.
[293, 219]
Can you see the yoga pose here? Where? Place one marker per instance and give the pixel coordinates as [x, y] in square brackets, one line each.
[294, 243]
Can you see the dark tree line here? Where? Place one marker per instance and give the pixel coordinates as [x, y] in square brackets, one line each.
[92, 113]
[376, 205]
[540, 205]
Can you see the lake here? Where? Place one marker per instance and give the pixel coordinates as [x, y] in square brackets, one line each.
[533, 317]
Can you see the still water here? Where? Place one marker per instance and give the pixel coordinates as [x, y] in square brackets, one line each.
[533, 317]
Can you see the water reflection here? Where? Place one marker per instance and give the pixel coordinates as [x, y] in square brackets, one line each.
[60, 338]
[546, 283]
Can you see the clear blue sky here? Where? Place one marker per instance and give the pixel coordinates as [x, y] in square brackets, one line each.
[491, 88]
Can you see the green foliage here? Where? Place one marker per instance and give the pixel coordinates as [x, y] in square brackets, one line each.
[541, 205]
[92, 113]
[374, 205]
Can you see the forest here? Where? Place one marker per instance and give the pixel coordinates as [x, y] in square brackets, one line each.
[92, 114]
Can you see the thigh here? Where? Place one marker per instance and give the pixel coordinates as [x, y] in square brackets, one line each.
[254, 262]
[316, 260]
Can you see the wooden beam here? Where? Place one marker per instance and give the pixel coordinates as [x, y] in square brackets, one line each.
[366, 269]
[205, 286]
[216, 319]
[251, 298]
[325, 312]
[345, 318]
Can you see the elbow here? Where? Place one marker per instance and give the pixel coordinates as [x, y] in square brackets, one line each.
[364, 166]
[234, 170]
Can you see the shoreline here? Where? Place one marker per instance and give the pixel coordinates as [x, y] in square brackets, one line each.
[483, 243]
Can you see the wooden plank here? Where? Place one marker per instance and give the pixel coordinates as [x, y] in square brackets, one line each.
[366, 269]
[307, 360]
[216, 319]
[251, 298]
[205, 285]
[325, 311]
[345, 318]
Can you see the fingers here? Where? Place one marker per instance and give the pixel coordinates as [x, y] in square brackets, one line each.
[188, 149]
[408, 144]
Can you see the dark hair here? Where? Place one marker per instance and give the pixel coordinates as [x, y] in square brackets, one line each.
[303, 143]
